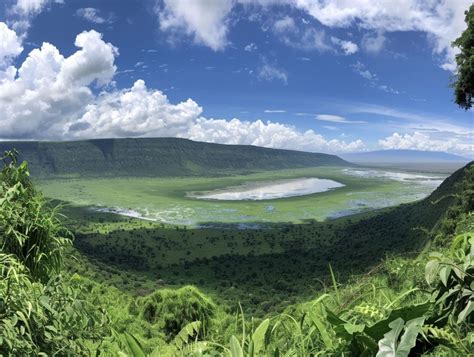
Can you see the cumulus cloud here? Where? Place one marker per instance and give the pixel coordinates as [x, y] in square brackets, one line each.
[422, 141]
[48, 89]
[267, 134]
[50, 97]
[348, 47]
[137, 111]
[205, 20]
[10, 45]
[140, 111]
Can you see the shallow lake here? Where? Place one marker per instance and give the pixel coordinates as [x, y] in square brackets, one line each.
[269, 190]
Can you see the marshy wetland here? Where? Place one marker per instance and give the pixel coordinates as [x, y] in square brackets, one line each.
[263, 197]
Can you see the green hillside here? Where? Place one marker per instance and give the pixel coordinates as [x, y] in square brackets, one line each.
[397, 280]
[266, 258]
[157, 157]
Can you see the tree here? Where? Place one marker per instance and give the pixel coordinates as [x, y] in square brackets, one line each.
[464, 82]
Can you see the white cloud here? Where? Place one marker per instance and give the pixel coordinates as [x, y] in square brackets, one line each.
[22, 11]
[439, 128]
[441, 20]
[270, 72]
[50, 98]
[10, 45]
[348, 47]
[251, 47]
[303, 38]
[373, 44]
[93, 15]
[267, 134]
[205, 20]
[30, 7]
[362, 70]
[274, 111]
[422, 141]
[285, 24]
[50, 89]
[137, 111]
[338, 119]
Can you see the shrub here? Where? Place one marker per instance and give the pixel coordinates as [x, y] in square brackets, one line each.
[174, 309]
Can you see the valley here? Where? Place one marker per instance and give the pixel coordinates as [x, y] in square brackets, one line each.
[178, 200]
[236, 178]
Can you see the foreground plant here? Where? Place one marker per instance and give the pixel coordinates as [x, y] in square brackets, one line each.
[29, 229]
[42, 312]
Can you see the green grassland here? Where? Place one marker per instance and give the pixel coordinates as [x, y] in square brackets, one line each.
[166, 200]
[266, 268]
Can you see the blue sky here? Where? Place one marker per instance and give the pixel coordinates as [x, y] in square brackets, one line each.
[334, 76]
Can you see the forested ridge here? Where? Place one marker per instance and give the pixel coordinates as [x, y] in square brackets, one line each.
[157, 157]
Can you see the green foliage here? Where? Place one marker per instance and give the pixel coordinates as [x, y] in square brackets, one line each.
[392, 345]
[454, 275]
[46, 318]
[464, 83]
[29, 229]
[41, 311]
[187, 333]
[390, 311]
[173, 310]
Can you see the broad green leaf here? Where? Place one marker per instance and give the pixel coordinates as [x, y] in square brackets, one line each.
[322, 330]
[431, 271]
[369, 344]
[352, 328]
[134, 345]
[388, 344]
[235, 348]
[444, 273]
[258, 336]
[406, 313]
[465, 312]
[186, 332]
[408, 340]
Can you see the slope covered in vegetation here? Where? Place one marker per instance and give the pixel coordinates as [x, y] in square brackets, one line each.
[266, 268]
[399, 307]
[157, 157]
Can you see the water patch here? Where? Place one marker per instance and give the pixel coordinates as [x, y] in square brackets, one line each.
[270, 190]
[422, 179]
[123, 212]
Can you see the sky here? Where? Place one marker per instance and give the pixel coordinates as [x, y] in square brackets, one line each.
[329, 76]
